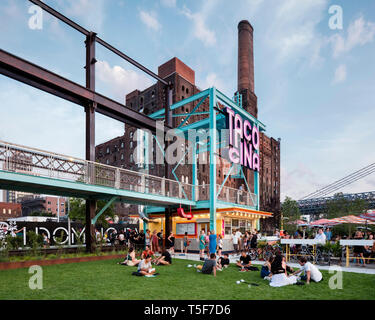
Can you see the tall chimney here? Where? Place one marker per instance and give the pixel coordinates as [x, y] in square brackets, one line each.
[246, 67]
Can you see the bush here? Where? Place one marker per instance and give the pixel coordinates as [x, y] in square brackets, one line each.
[13, 243]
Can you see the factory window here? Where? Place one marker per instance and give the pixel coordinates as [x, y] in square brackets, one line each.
[187, 90]
[131, 158]
[153, 94]
[107, 149]
[122, 145]
[183, 88]
[10, 211]
[141, 100]
[107, 162]
[4, 211]
[131, 144]
[131, 135]
[122, 156]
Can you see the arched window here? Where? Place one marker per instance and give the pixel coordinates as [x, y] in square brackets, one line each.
[122, 156]
[131, 158]
[183, 179]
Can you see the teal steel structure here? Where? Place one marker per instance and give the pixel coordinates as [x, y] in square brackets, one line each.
[214, 121]
[96, 181]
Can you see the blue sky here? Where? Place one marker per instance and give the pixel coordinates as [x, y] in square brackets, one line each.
[315, 86]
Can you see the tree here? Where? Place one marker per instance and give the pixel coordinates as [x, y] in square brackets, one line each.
[78, 210]
[341, 206]
[290, 210]
[41, 214]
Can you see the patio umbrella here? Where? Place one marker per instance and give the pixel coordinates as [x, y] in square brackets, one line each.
[369, 215]
[351, 219]
[324, 222]
[297, 222]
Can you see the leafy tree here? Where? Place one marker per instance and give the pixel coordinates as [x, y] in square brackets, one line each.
[41, 214]
[290, 210]
[340, 206]
[78, 210]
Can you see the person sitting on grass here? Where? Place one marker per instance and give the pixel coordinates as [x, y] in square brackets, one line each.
[245, 261]
[147, 252]
[130, 258]
[265, 272]
[280, 277]
[165, 259]
[310, 271]
[223, 262]
[209, 265]
[145, 268]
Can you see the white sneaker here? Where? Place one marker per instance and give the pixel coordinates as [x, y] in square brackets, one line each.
[267, 278]
[189, 265]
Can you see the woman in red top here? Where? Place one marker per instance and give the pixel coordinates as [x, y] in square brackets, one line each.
[154, 242]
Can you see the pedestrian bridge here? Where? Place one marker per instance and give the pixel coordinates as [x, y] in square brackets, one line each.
[32, 170]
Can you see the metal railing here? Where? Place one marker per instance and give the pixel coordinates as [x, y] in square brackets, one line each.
[31, 161]
[227, 194]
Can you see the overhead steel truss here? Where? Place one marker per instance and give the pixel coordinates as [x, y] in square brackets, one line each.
[45, 80]
[339, 184]
[319, 205]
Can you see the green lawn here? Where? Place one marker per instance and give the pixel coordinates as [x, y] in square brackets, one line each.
[108, 280]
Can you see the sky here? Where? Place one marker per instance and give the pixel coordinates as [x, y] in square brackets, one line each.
[315, 84]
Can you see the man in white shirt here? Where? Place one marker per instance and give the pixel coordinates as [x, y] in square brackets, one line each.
[310, 271]
[239, 235]
[235, 242]
[321, 237]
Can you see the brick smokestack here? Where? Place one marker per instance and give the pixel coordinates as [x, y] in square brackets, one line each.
[246, 67]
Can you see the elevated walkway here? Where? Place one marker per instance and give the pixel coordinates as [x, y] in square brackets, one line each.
[31, 170]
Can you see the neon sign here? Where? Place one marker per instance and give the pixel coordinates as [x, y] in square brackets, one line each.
[243, 141]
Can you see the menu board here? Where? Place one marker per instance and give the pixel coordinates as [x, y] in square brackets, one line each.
[181, 228]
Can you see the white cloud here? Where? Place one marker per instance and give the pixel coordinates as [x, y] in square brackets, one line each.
[121, 81]
[359, 33]
[200, 30]
[168, 3]
[92, 12]
[150, 20]
[340, 74]
[293, 30]
[213, 80]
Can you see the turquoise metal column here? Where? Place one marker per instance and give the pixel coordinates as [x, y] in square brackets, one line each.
[212, 132]
[256, 179]
[194, 167]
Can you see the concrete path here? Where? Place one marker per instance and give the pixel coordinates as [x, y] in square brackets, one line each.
[233, 259]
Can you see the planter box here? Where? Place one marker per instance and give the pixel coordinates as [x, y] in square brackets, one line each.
[46, 262]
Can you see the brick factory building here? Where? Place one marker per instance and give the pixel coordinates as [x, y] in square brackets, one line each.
[9, 210]
[119, 151]
[53, 205]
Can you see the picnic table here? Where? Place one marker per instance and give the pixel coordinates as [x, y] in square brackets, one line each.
[353, 242]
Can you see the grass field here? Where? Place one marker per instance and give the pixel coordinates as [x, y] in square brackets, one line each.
[108, 280]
